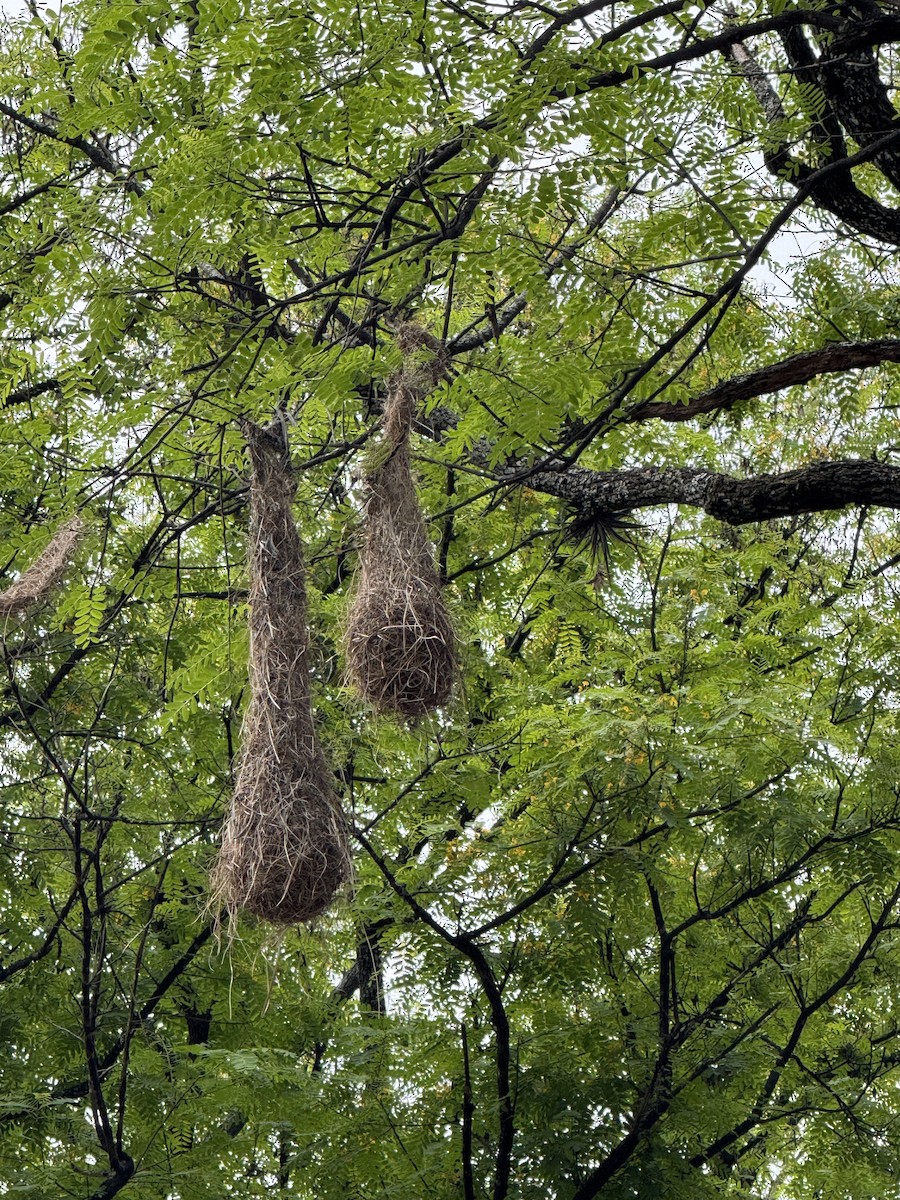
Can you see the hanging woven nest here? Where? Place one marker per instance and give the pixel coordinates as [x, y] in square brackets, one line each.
[400, 643]
[284, 852]
[36, 583]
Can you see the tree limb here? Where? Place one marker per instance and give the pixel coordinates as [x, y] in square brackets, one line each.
[806, 1011]
[799, 368]
[46, 945]
[865, 33]
[113, 1184]
[819, 487]
[30, 391]
[834, 190]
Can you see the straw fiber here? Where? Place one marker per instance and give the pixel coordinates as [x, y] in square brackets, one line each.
[284, 852]
[400, 643]
[36, 583]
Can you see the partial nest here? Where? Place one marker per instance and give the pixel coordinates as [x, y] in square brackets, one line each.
[284, 853]
[400, 644]
[36, 583]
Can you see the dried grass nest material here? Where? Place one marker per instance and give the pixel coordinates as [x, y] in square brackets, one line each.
[36, 583]
[400, 643]
[284, 853]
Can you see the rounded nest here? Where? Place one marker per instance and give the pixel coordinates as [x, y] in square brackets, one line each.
[284, 850]
[401, 649]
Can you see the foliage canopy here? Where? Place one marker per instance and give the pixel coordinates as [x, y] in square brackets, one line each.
[625, 913]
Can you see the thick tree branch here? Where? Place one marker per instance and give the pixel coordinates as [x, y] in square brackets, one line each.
[799, 368]
[833, 189]
[29, 391]
[467, 1114]
[819, 487]
[98, 155]
[864, 33]
[617, 1158]
[114, 1183]
[812, 183]
[849, 78]
[23, 198]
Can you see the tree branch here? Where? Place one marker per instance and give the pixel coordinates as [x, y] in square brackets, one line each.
[30, 391]
[806, 1011]
[866, 32]
[468, 1112]
[114, 1183]
[96, 154]
[46, 945]
[799, 368]
[499, 1020]
[819, 487]
[834, 190]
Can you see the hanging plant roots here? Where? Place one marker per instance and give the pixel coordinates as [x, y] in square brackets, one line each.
[400, 644]
[35, 584]
[284, 852]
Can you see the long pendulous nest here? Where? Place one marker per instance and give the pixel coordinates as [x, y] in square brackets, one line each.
[284, 852]
[36, 583]
[400, 644]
